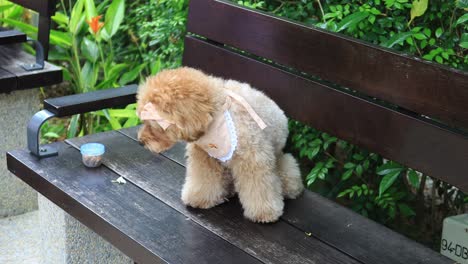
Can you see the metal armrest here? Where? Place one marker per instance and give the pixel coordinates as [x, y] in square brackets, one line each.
[75, 104]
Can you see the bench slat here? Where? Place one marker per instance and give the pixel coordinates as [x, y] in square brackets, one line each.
[138, 224]
[276, 243]
[45, 7]
[11, 36]
[11, 59]
[430, 149]
[411, 83]
[359, 237]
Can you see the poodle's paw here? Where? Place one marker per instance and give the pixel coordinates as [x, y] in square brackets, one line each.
[265, 214]
[290, 175]
[202, 199]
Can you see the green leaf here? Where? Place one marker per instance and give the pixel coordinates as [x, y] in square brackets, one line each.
[131, 75]
[389, 167]
[464, 41]
[359, 170]
[462, 19]
[351, 20]
[418, 9]
[114, 16]
[88, 76]
[61, 19]
[51, 134]
[358, 157]
[114, 123]
[349, 165]
[420, 36]
[439, 32]
[113, 74]
[462, 4]
[156, 66]
[343, 193]
[413, 178]
[90, 9]
[387, 181]
[131, 122]
[347, 174]
[74, 126]
[90, 50]
[76, 18]
[4, 8]
[397, 39]
[405, 210]
[119, 113]
[427, 32]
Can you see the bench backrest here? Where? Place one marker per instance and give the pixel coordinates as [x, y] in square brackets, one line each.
[385, 104]
[46, 9]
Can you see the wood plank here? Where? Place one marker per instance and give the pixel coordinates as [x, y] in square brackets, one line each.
[7, 81]
[273, 243]
[140, 225]
[91, 101]
[176, 153]
[410, 140]
[337, 226]
[45, 7]
[414, 84]
[11, 36]
[11, 59]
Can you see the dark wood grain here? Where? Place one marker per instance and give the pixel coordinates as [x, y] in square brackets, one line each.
[338, 226]
[411, 83]
[11, 36]
[7, 80]
[11, 59]
[138, 224]
[91, 101]
[45, 7]
[410, 140]
[274, 243]
[175, 153]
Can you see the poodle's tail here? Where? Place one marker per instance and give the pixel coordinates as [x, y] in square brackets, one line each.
[290, 175]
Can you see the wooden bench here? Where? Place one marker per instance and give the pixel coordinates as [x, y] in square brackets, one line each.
[18, 101]
[384, 108]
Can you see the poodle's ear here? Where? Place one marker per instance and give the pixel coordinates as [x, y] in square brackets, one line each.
[192, 127]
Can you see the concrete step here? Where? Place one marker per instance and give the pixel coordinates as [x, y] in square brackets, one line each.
[20, 239]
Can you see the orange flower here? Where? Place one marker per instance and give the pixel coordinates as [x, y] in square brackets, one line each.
[95, 24]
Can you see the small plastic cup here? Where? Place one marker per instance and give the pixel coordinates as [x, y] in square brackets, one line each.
[92, 153]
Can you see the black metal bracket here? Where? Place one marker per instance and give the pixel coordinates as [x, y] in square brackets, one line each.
[34, 130]
[39, 64]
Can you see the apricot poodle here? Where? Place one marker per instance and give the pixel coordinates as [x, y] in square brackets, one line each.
[235, 138]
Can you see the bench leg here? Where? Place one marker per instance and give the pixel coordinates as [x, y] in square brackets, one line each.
[16, 109]
[65, 240]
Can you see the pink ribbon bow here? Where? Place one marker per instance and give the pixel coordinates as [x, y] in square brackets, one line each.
[149, 112]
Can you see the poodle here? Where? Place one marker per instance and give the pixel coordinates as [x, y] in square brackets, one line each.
[235, 138]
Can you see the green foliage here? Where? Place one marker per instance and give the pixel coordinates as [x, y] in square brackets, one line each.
[153, 33]
[82, 44]
[434, 30]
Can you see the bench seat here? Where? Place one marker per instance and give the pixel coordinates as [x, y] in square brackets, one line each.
[146, 220]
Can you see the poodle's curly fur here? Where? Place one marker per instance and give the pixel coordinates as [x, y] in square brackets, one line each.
[259, 171]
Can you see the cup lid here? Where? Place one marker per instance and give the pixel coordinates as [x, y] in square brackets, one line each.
[92, 149]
